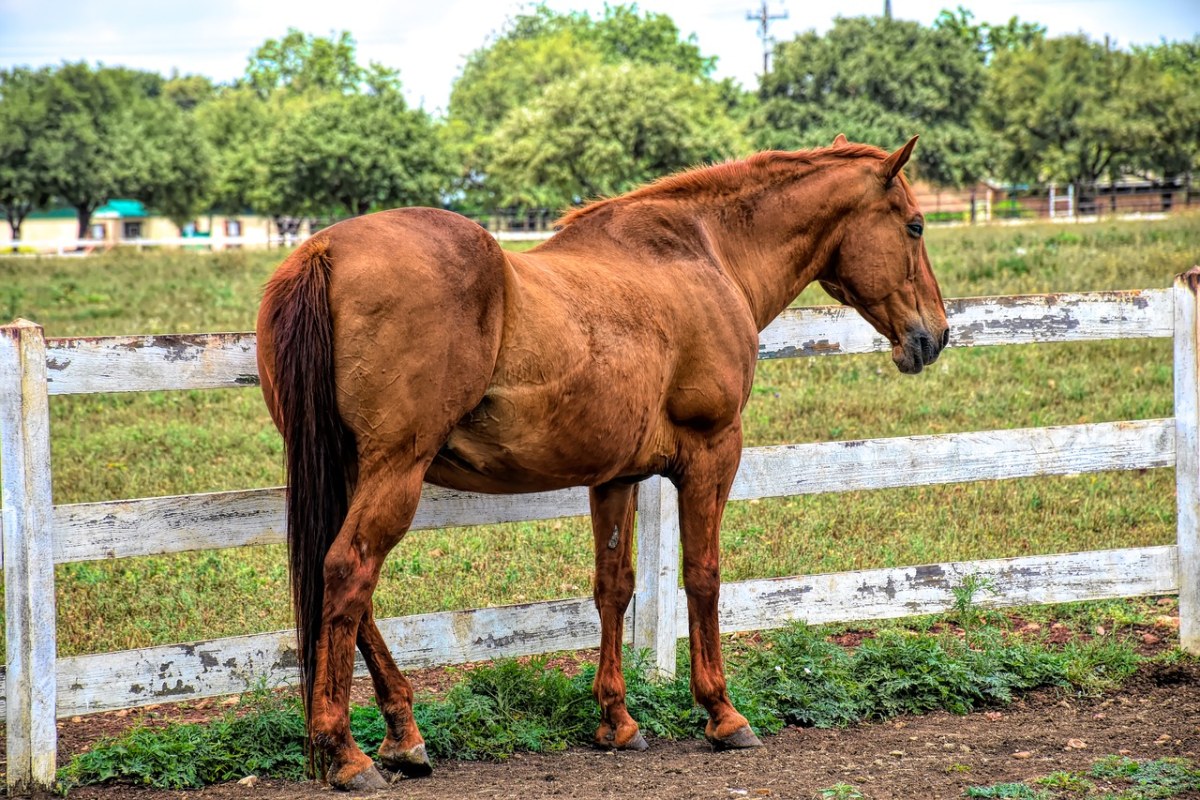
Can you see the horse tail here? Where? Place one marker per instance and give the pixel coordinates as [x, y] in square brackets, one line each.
[320, 449]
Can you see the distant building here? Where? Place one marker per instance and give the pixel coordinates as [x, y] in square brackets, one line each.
[129, 222]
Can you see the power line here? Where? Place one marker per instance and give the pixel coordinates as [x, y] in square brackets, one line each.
[763, 17]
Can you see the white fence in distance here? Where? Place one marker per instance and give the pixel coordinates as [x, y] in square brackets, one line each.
[63, 247]
[38, 686]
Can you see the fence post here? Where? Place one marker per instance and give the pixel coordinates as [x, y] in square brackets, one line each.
[28, 558]
[654, 605]
[1187, 456]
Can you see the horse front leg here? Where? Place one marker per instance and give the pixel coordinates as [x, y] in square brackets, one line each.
[613, 507]
[704, 480]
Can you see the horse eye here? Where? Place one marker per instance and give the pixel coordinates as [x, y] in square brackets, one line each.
[915, 229]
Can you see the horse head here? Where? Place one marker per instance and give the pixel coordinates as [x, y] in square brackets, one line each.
[881, 269]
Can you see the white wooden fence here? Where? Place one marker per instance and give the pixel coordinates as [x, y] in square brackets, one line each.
[38, 686]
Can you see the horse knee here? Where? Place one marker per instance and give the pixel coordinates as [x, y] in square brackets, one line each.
[702, 582]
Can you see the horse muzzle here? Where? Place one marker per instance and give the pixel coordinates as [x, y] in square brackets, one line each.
[918, 350]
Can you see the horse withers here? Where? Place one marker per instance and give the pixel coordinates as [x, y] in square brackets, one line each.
[406, 346]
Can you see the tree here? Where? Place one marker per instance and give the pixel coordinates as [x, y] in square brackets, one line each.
[878, 80]
[349, 154]
[1167, 89]
[986, 38]
[1063, 109]
[175, 171]
[300, 62]
[88, 153]
[605, 131]
[237, 125]
[543, 46]
[540, 49]
[188, 91]
[24, 118]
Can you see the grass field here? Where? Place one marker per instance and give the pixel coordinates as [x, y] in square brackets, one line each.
[120, 446]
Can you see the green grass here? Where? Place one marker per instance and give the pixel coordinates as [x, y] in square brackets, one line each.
[125, 445]
[794, 676]
[1110, 778]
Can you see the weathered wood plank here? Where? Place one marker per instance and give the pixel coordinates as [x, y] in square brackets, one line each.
[975, 321]
[909, 591]
[29, 604]
[657, 573]
[218, 360]
[153, 526]
[222, 666]
[173, 524]
[182, 523]
[782, 470]
[1187, 465]
[146, 363]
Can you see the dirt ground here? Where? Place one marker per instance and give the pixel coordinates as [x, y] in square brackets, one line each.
[935, 756]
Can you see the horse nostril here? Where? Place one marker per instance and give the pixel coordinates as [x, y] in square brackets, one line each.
[945, 338]
[929, 350]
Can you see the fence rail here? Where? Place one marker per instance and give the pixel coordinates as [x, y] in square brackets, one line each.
[37, 686]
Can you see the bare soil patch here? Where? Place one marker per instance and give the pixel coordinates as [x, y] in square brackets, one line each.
[1157, 714]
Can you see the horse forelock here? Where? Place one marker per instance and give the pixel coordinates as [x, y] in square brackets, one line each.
[720, 179]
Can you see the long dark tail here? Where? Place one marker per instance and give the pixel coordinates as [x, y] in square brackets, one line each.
[320, 449]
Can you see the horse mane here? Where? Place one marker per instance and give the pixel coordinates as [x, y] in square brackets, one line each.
[718, 178]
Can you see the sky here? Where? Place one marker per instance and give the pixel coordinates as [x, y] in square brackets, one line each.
[428, 40]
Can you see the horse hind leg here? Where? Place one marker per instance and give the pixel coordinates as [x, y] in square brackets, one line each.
[403, 749]
[612, 508]
[385, 501]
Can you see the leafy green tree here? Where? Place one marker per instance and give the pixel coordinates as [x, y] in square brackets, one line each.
[24, 118]
[174, 172]
[114, 132]
[605, 131]
[237, 124]
[542, 48]
[986, 38]
[349, 154]
[879, 80]
[301, 62]
[1063, 109]
[188, 91]
[625, 34]
[1167, 89]
[89, 152]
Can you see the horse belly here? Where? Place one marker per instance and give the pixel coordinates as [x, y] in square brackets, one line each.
[525, 440]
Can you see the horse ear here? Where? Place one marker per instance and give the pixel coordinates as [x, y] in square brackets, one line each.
[840, 140]
[896, 161]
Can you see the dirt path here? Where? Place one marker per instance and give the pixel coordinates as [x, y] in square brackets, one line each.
[914, 758]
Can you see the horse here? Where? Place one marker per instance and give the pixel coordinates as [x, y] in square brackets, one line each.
[406, 346]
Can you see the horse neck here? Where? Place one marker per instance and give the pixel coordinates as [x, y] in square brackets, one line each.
[775, 248]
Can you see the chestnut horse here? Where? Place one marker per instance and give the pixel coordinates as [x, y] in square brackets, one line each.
[406, 346]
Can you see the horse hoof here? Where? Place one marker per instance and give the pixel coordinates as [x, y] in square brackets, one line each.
[411, 763]
[369, 780]
[741, 739]
[608, 741]
[637, 744]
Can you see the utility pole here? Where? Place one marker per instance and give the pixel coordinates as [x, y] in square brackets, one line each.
[887, 9]
[763, 17]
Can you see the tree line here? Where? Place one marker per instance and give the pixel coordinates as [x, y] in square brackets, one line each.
[559, 108]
